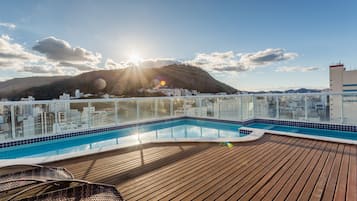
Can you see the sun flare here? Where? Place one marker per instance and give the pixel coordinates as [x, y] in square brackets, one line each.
[135, 59]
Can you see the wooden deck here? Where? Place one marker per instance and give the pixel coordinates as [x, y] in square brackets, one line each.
[273, 168]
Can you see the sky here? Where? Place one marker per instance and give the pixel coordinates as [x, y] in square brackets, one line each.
[248, 44]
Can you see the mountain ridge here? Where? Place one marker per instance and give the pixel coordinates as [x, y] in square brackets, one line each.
[127, 82]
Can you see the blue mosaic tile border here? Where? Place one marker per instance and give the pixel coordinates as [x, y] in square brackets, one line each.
[245, 131]
[216, 120]
[338, 127]
[79, 133]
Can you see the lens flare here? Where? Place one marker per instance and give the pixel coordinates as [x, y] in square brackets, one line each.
[227, 144]
[162, 83]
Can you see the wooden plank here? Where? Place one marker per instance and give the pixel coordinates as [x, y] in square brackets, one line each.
[269, 180]
[319, 158]
[188, 167]
[351, 194]
[332, 180]
[322, 181]
[274, 167]
[283, 175]
[158, 182]
[222, 174]
[236, 181]
[159, 175]
[193, 161]
[310, 184]
[341, 187]
[204, 173]
[282, 189]
[264, 176]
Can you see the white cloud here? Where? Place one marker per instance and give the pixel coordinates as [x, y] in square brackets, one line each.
[61, 51]
[42, 70]
[13, 55]
[146, 63]
[158, 62]
[7, 25]
[79, 66]
[296, 69]
[110, 64]
[230, 61]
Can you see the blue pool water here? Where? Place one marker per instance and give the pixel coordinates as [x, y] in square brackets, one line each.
[309, 131]
[185, 128]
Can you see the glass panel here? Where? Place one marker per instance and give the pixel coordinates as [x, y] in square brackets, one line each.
[209, 107]
[292, 107]
[350, 109]
[127, 111]
[5, 122]
[71, 116]
[192, 107]
[335, 102]
[34, 120]
[163, 108]
[265, 107]
[178, 107]
[146, 109]
[247, 107]
[229, 108]
[317, 108]
[102, 114]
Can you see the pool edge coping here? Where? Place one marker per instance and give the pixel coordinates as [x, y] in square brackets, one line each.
[254, 135]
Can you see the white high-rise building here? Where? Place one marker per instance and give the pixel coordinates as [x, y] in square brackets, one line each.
[342, 80]
[77, 94]
[28, 126]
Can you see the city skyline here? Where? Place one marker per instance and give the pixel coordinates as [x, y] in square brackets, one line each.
[248, 45]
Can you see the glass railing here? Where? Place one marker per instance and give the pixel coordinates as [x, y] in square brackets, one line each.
[21, 119]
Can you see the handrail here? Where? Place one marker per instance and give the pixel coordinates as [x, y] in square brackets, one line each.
[167, 97]
[29, 119]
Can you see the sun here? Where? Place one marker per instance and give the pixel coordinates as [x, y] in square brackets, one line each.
[135, 59]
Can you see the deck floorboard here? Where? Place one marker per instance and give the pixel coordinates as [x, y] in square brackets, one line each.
[272, 168]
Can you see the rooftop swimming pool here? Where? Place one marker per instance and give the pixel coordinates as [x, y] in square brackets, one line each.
[177, 130]
[184, 129]
[345, 135]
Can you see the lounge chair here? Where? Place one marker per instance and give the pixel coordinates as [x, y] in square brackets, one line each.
[68, 190]
[33, 172]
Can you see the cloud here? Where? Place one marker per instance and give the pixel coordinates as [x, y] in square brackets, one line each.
[146, 63]
[230, 61]
[267, 57]
[296, 69]
[110, 64]
[42, 70]
[7, 25]
[158, 62]
[79, 66]
[60, 50]
[13, 54]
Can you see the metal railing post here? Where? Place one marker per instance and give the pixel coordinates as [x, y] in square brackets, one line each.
[277, 107]
[137, 110]
[171, 107]
[305, 100]
[241, 108]
[13, 127]
[89, 118]
[254, 102]
[155, 107]
[219, 108]
[184, 106]
[116, 120]
[56, 124]
[200, 106]
[342, 120]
